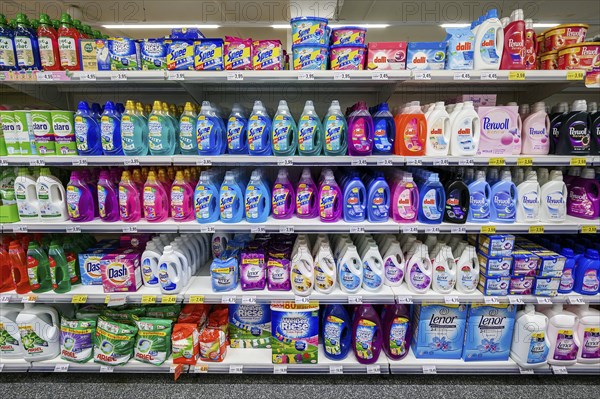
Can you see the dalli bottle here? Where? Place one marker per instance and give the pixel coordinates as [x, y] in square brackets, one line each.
[513, 56]
[237, 136]
[431, 200]
[405, 199]
[438, 131]
[456, 209]
[411, 129]
[465, 131]
[528, 199]
[335, 130]
[187, 130]
[310, 133]
[385, 130]
[284, 131]
[489, 42]
[26, 44]
[378, 199]
[536, 131]
[573, 133]
[530, 343]
[134, 131]
[503, 204]
[355, 199]
[554, 199]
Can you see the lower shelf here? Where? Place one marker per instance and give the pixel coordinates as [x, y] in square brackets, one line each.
[60, 365]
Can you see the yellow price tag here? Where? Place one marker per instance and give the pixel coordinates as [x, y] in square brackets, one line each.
[575, 75]
[497, 162]
[80, 298]
[107, 299]
[148, 299]
[525, 162]
[516, 75]
[589, 229]
[488, 230]
[536, 229]
[196, 299]
[167, 299]
[578, 162]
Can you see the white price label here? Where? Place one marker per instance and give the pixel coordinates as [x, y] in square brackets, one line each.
[336, 369]
[451, 300]
[236, 369]
[301, 300]
[286, 229]
[441, 162]
[515, 300]
[19, 229]
[88, 76]
[106, 369]
[306, 76]
[358, 162]
[357, 230]
[248, 300]
[576, 300]
[466, 162]
[229, 299]
[204, 162]
[29, 298]
[373, 369]
[380, 76]
[559, 370]
[341, 75]
[355, 299]
[414, 162]
[4, 299]
[429, 369]
[409, 229]
[130, 229]
[385, 162]
[235, 76]
[3, 162]
[37, 162]
[115, 300]
[525, 371]
[80, 162]
[258, 230]
[280, 369]
[44, 76]
[207, 229]
[541, 300]
[432, 230]
[175, 75]
[404, 300]
[462, 76]
[131, 162]
[488, 76]
[118, 76]
[73, 229]
[422, 75]
[491, 300]
[61, 368]
[285, 161]
[458, 230]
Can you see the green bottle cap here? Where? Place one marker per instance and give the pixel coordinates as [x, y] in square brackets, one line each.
[3, 20]
[66, 19]
[22, 19]
[45, 19]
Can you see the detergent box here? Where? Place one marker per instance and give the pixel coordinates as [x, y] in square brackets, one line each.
[546, 286]
[89, 265]
[124, 54]
[551, 264]
[493, 285]
[121, 272]
[489, 332]
[439, 331]
[459, 53]
[208, 55]
[295, 333]
[521, 285]
[180, 55]
[478, 100]
[499, 130]
[525, 263]
[93, 55]
[495, 265]
[250, 326]
[426, 55]
[496, 244]
[153, 53]
[385, 56]
[267, 55]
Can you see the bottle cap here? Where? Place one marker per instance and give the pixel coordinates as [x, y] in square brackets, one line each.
[579, 106]
[45, 19]
[66, 19]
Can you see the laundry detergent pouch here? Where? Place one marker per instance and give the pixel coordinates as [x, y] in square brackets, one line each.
[278, 273]
[184, 342]
[250, 326]
[124, 314]
[154, 54]
[489, 332]
[253, 271]
[212, 344]
[224, 274]
[295, 333]
[459, 54]
[439, 331]
[180, 55]
[267, 55]
[238, 53]
[77, 339]
[153, 341]
[114, 342]
[426, 55]
[208, 55]
[124, 54]
[500, 130]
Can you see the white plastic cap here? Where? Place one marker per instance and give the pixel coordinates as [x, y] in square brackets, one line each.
[588, 173]
[506, 175]
[517, 15]
[531, 175]
[579, 106]
[528, 23]
[309, 106]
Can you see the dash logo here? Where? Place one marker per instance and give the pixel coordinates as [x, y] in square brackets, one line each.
[117, 273]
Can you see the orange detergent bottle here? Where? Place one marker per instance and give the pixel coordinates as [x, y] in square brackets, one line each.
[411, 131]
[18, 262]
[6, 280]
[68, 44]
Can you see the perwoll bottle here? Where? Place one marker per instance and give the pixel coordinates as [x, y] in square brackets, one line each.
[554, 199]
[528, 199]
[574, 133]
[536, 131]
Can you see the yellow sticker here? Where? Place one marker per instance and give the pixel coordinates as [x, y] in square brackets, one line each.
[497, 162]
[575, 75]
[488, 229]
[148, 299]
[516, 75]
[525, 162]
[167, 299]
[536, 229]
[578, 162]
[196, 299]
[80, 298]
[589, 229]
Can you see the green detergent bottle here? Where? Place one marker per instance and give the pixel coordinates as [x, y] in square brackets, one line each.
[38, 269]
[59, 270]
[71, 249]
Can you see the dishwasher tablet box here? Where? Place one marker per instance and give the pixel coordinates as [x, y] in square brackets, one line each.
[439, 331]
[494, 285]
[496, 244]
[495, 265]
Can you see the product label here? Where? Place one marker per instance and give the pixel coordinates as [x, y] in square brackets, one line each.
[305, 198]
[101, 201]
[381, 137]
[398, 332]
[253, 197]
[327, 202]
[24, 47]
[504, 205]
[204, 135]
[468, 279]
[437, 141]
[67, 48]
[281, 199]
[323, 281]
[73, 199]
[538, 350]
[394, 270]
[8, 344]
[334, 132]
[591, 343]
[46, 51]
[127, 133]
[332, 335]
[81, 133]
[479, 205]
[349, 279]
[48, 210]
[418, 278]
[187, 129]
[365, 334]
[150, 205]
[379, 204]
[465, 136]
[590, 281]
[567, 281]
[178, 200]
[580, 204]
[411, 136]
[257, 133]
[165, 280]
[530, 202]
[282, 126]
[226, 202]
[107, 130]
[147, 274]
[407, 209]
[443, 279]
[155, 133]
[202, 202]
[123, 203]
[556, 205]
[456, 210]
[579, 136]
[565, 348]
[430, 205]
[32, 342]
[307, 133]
[7, 52]
[370, 278]
[355, 207]
[32, 272]
[300, 282]
[487, 47]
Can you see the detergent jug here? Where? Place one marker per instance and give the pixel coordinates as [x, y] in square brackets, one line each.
[283, 196]
[284, 131]
[134, 131]
[355, 199]
[12, 347]
[335, 130]
[256, 198]
[310, 131]
[130, 205]
[503, 204]
[378, 199]
[206, 198]
[51, 197]
[384, 130]
[306, 196]
[188, 144]
[336, 332]
[80, 201]
[182, 199]
[259, 131]
[397, 331]
[108, 198]
[330, 198]
[156, 204]
[87, 131]
[231, 199]
[110, 130]
[237, 136]
[39, 329]
[360, 131]
[366, 334]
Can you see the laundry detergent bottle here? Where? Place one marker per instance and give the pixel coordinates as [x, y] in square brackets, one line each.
[465, 131]
[134, 131]
[130, 205]
[438, 131]
[418, 268]
[51, 197]
[231, 199]
[39, 329]
[283, 196]
[8, 55]
[457, 203]
[38, 269]
[385, 131]
[48, 43]
[411, 131]
[306, 196]
[573, 133]
[584, 196]
[397, 331]
[110, 130]
[530, 344]
[360, 131]
[284, 131]
[206, 199]
[587, 331]
[182, 199]
[536, 131]
[528, 199]
[80, 201]
[259, 131]
[161, 135]
[587, 273]
[562, 335]
[367, 334]
[26, 44]
[503, 205]
[513, 56]
[489, 42]
[355, 199]
[310, 131]
[335, 130]
[156, 203]
[405, 199]
[480, 199]
[378, 199]
[553, 206]
[87, 131]
[256, 198]
[337, 332]
[108, 198]
[330, 199]
[431, 200]
[188, 144]
[237, 136]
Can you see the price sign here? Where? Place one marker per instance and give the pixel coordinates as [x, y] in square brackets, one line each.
[578, 162]
[497, 162]
[575, 75]
[589, 229]
[31, 298]
[204, 162]
[80, 162]
[358, 162]
[37, 162]
[79, 298]
[168, 299]
[258, 230]
[130, 229]
[525, 371]
[488, 230]
[235, 76]
[422, 75]
[404, 300]
[541, 300]
[196, 299]
[106, 369]
[4, 299]
[341, 75]
[306, 76]
[229, 299]
[207, 229]
[466, 162]
[559, 370]
[73, 229]
[536, 229]
[200, 368]
[280, 369]
[451, 300]
[248, 300]
[441, 162]
[301, 300]
[576, 300]
[462, 76]
[115, 300]
[373, 369]
[236, 369]
[44, 76]
[148, 299]
[286, 229]
[336, 369]
[432, 230]
[410, 229]
[491, 300]
[525, 162]
[19, 229]
[516, 75]
[118, 76]
[285, 161]
[357, 230]
[355, 299]
[87, 76]
[429, 369]
[61, 368]
[131, 162]
[458, 230]
[515, 300]
[175, 75]
[385, 162]
[380, 76]
[414, 162]
[488, 76]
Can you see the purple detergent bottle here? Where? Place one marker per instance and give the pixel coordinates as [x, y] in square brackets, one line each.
[130, 207]
[360, 131]
[330, 199]
[80, 204]
[108, 199]
[306, 196]
[282, 199]
[366, 334]
[91, 183]
[396, 331]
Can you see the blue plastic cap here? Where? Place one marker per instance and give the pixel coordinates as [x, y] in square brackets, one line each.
[493, 13]
[579, 249]
[568, 252]
[83, 105]
[592, 254]
[109, 106]
[384, 107]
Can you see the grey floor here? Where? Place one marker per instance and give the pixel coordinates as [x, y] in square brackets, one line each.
[133, 386]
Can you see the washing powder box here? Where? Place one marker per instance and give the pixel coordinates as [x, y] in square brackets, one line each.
[295, 333]
[386, 56]
[525, 263]
[250, 326]
[495, 265]
[121, 272]
[124, 54]
[426, 55]
[546, 286]
[489, 332]
[89, 265]
[439, 331]
[496, 244]
[494, 285]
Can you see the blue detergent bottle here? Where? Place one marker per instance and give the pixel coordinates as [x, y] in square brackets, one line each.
[209, 132]
[87, 131]
[231, 199]
[259, 131]
[355, 198]
[237, 137]
[337, 332]
[310, 131]
[257, 199]
[110, 130]
[284, 135]
[378, 199]
[503, 203]
[8, 55]
[479, 202]
[385, 130]
[134, 131]
[567, 280]
[335, 130]
[206, 198]
[97, 111]
[222, 122]
[587, 273]
[26, 44]
[431, 199]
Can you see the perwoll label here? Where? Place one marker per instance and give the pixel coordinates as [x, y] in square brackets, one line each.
[299, 281]
[479, 205]
[155, 132]
[579, 136]
[436, 135]
[429, 205]
[8, 344]
[354, 207]
[365, 334]
[565, 348]
[256, 130]
[24, 49]
[504, 204]
[579, 202]
[73, 199]
[398, 332]
[32, 274]
[348, 279]
[204, 129]
[280, 199]
[411, 136]
[177, 200]
[407, 210]
[107, 128]
[556, 205]
[328, 197]
[418, 279]
[7, 52]
[32, 343]
[304, 197]
[590, 281]
[531, 205]
[590, 347]
[516, 47]
[539, 136]
[454, 208]
[226, 202]
[370, 278]
[67, 48]
[281, 130]
[465, 135]
[123, 199]
[487, 47]
[46, 51]
[333, 132]
[147, 274]
[393, 270]
[332, 335]
[150, 206]
[253, 196]
[186, 133]
[202, 202]
[538, 350]
[127, 133]
[81, 133]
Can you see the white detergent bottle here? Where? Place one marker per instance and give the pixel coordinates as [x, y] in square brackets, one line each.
[194, 247]
[185, 263]
[26, 196]
[51, 197]
[530, 344]
[373, 270]
[431, 242]
[444, 271]
[320, 238]
[543, 176]
[394, 264]
[489, 42]
[528, 199]
[467, 271]
[454, 110]
[171, 273]
[588, 332]
[150, 258]
[408, 244]
[188, 251]
[562, 335]
[40, 332]
[350, 270]
[325, 269]
[438, 130]
[553, 208]
[302, 273]
[518, 138]
[11, 346]
[219, 243]
[418, 269]
[536, 131]
[465, 131]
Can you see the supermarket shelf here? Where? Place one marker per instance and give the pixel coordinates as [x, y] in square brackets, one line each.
[584, 369]
[13, 365]
[346, 160]
[133, 366]
[95, 226]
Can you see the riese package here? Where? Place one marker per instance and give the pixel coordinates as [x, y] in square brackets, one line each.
[295, 333]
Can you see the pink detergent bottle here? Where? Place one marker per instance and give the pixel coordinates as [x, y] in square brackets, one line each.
[536, 131]
[108, 199]
[405, 199]
[583, 200]
[330, 198]
[367, 334]
[396, 331]
[130, 208]
[88, 178]
[182, 199]
[306, 196]
[282, 198]
[513, 56]
[156, 204]
[80, 202]
[360, 131]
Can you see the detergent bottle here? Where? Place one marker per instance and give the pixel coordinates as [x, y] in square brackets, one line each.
[587, 273]
[38, 269]
[513, 56]
[385, 130]
[393, 263]
[405, 199]
[530, 342]
[110, 130]
[87, 131]
[350, 270]
[182, 199]
[259, 131]
[282, 200]
[173, 271]
[411, 131]
[12, 347]
[8, 55]
[336, 332]
[556, 118]
[26, 197]
[161, 137]
[456, 209]
[366, 334]
[130, 207]
[108, 198]
[554, 199]
[231, 199]
[310, 131]
[373, 269]
[150, 259]
[68, 44]
[355, 200]
[284, 131]
[39, 331]
[360, 131]
[256, 198]
[584, 196]
[594, 128]
[7, 282]
[156, 205]
[173, 122]
[330, 199]
[465, 131]
[444, 270]
[302, 273]
[489, 42]
[587, 332]
[325, 268]
[528, 199]
[306, 196]
[51, 197]
[26, 44]
[530, 45]
[536, 131]
[562, 335]
[503, 204]
[59, 270]
[418, 268]
[431, 200]
[18, 263]
[48, 44]
[187, 130]
[396, 331]
[80, 201]
[438, 131]
[378, 199]
[206, 198]
[335, 130]
[237, 136]
[467, 271]
[567, 280]
[134, 131]
[573, 133]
